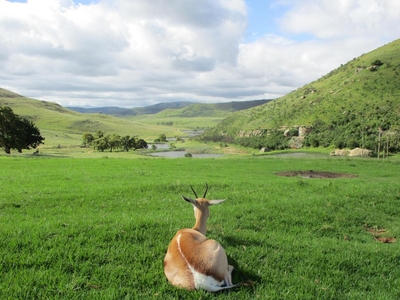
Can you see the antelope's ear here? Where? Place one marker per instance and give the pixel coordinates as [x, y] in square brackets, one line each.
[190, 200]
[212, 202]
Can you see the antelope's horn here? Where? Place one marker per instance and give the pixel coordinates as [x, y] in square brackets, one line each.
[205, 193]
[194, 192]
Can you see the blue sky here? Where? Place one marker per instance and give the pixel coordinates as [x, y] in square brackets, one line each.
[137, 53]
[262, 18]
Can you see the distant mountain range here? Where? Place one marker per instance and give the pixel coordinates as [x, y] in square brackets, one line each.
[159, 107]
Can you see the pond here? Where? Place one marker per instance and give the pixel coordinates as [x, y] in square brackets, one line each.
[179, 154]
[159, 145]
[192, 133]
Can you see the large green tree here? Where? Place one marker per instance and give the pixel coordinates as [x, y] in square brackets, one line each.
[87, 138]
[17, 132]
[127, 142]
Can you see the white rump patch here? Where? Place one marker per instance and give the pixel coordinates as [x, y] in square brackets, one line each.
[205, 282]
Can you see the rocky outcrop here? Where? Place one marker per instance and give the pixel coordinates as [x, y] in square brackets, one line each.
[360, 152]
[340, 152]
[304, 130]
[250, 133]
[296, 142]
[354, 152]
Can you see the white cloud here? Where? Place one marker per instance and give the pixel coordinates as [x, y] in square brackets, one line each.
[326, 19]
[134, 53]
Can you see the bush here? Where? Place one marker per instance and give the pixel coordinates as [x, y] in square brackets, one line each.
[352, 143]
[377, 63]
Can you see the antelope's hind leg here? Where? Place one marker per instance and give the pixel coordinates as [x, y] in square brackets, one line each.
[228, 276]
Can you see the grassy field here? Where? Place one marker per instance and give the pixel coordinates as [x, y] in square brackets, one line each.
[182, 123]
[99, 228]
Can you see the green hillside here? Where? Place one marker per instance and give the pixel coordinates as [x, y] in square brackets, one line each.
[175, 109]
[197, 115]
[108, 110]
[210, 110]
[353, 101]
[156, 108]
[126, 112]
[61, 126]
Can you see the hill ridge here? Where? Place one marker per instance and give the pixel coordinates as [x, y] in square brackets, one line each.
[364, 92]
[181, 108]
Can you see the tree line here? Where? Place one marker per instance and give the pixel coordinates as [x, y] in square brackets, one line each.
[102, 142]
[17, 132]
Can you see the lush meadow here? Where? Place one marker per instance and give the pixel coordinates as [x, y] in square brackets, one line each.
[99, 228]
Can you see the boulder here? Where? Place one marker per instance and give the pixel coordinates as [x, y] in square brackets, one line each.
[360, 152]
[296, 142]
[263, 149]
[339, 152]
[304, 130]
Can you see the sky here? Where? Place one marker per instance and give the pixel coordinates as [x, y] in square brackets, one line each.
[133, 53]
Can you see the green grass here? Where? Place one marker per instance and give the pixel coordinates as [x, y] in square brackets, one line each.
[99, 228]
[183, 123]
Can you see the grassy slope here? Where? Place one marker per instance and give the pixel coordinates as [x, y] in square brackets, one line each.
[182, 123]
[198, 115]
[99, 228]
[63, 126]
[190, 117]
[331, 96]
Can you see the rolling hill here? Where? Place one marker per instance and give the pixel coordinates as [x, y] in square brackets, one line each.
[196, 115]
[60, 125]
[175, 109]
[359, 98]
[119, 111]
[211, 110]
[108, 110]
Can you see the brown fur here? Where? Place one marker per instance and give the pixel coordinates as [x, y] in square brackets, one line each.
[190, 248]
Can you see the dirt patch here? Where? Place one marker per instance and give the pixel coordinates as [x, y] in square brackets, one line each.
[378, 234]
[315, 174]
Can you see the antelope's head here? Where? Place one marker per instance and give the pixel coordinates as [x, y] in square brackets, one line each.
[201, 209]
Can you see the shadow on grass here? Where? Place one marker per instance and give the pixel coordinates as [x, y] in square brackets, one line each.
[240, 274]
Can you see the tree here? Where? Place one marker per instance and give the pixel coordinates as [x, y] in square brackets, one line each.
[141, 144]
[88, 138]
[101, 144]
[161, 139]
[17, 132]
[113, 141]
[7, 128]
[99, 134]
[127, 142]
[29, 136]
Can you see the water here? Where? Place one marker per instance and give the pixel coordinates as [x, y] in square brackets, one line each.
[179, 154]
[192, 133]
[160, 146]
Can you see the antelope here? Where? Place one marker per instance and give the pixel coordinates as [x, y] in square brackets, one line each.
[193, 261]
